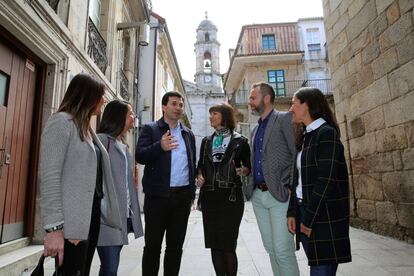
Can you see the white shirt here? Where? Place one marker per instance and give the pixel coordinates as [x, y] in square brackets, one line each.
[312, 126]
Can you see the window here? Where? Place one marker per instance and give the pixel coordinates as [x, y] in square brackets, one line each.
[125, 52]
[95, 12]
[244, 129]
[314, 47]
[207, 37]
[276, 79]
[242, 94]
[268, 42]
[4, 88]
[313, 39]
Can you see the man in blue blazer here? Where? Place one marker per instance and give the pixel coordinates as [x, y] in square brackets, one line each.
[167, 149]
[273, 151]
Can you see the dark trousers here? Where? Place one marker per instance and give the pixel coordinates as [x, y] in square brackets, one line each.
[315, 270]
[77, 259]
[167, 215]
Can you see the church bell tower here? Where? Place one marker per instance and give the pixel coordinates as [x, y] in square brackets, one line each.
[207, 50]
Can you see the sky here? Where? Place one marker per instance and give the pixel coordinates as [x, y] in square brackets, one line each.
[184, 16]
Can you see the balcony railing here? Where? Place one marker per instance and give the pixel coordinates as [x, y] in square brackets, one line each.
[324, 85]
[241, 96]
[124, 84]
[97, 47]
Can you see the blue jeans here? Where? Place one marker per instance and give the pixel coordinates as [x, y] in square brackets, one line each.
[315, 270]
[109, 256]
[278, 242]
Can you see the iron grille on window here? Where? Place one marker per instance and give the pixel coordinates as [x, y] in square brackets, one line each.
[97, 47]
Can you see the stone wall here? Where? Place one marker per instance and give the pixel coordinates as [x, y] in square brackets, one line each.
[371, 54]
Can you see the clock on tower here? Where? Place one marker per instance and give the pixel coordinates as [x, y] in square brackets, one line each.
[207, 78]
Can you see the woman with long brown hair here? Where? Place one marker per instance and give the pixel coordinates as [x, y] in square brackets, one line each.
[319, 204]
[75, 178]
[117, 119]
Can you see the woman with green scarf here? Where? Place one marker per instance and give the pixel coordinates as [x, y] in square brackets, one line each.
[224, 157]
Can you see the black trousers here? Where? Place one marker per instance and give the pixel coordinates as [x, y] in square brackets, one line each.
[169, 216]
[77, 259]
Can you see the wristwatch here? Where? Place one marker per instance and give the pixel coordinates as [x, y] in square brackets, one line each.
[54, 228]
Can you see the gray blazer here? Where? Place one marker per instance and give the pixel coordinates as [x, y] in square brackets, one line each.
[277, 156]
[109, 235]
[67, 177]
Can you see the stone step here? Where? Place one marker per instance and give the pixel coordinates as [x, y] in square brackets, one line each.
[20, 261]
[13, 245]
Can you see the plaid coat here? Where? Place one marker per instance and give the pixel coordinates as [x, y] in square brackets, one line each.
[325, 197]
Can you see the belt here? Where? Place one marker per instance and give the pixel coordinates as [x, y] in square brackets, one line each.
[263, 187]
[179, 189]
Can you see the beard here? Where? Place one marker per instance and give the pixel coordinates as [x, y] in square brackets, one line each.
[258, 110]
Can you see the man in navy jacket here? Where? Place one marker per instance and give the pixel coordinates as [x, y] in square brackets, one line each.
[167, 149]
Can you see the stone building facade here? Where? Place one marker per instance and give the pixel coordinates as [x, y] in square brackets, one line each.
[286, 55]
[371, 56]
[43, 45]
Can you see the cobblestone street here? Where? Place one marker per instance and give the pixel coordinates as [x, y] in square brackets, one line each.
[372, 254]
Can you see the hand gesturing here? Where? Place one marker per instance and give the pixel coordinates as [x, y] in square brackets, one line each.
[168, 142]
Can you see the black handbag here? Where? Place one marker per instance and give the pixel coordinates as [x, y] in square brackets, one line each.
[39, 271]
[198, 207]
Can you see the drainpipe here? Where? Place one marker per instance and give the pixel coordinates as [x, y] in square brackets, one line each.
[154, 71]
[137, 92]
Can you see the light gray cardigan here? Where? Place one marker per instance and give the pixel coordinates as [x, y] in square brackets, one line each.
[278, 153]
[67, 177]
[109, 235]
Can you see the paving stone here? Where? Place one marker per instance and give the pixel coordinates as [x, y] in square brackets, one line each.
[385, 63]
[366, 209]
[405, 49]
[406, 5]
[355, 7]
[361, 20]
[382, 5]
[393, 13]
[391, 138]
[372, 254]
[374, 119]
[396, 32]
[368, 187]
[386, 212]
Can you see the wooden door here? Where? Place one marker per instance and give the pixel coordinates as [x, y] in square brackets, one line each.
[17, 94]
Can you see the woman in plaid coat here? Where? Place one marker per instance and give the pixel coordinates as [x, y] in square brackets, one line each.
[319, 205]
